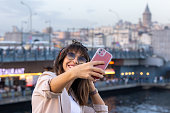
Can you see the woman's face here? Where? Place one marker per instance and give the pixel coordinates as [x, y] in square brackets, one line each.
[72, 59]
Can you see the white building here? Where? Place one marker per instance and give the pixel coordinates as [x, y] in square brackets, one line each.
[145, 39]
[118, 38]
[104, 29]
[161, 43]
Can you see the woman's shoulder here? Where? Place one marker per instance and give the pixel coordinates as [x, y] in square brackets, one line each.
[48, 74]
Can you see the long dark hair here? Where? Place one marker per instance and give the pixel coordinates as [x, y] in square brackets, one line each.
[80, 87]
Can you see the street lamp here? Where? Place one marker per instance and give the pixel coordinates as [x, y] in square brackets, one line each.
[22, 25]
[22, 30]
[92, 38]
[49, 30]
[29, 8]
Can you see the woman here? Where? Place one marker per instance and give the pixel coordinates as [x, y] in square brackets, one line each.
[69, 91]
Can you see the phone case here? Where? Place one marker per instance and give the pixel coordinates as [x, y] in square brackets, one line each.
[102, 55]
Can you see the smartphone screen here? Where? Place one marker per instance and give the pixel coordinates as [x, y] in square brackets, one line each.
[102, 55]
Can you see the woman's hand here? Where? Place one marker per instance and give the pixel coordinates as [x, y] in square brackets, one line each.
[88, 70]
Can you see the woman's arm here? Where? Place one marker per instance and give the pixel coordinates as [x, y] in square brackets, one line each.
[84, 71]
[58, 83]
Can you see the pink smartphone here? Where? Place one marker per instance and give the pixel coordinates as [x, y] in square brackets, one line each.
[102, 55]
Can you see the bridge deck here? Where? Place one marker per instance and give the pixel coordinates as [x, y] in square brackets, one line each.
[13, 55]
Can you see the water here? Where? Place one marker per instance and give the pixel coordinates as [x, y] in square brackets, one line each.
[23, 107]
[145, 101]
[130, 101]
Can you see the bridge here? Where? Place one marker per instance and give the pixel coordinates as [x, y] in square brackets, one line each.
[43, 54]
[35, 59]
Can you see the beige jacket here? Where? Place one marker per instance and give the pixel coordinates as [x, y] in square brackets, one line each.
[45, 101]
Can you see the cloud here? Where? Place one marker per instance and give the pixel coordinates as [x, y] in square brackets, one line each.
[11, 8]
[90, 10]
[64, 23]
[12, 12]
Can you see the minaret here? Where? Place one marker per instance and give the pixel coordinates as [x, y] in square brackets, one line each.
[147, 17]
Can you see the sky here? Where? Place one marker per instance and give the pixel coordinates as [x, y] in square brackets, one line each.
[63, 14]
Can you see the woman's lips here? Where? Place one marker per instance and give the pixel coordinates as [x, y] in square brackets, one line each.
[70, 66]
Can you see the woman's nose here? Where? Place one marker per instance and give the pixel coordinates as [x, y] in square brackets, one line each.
[75, 60]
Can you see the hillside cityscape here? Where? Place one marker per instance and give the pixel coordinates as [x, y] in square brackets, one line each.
[123, 35]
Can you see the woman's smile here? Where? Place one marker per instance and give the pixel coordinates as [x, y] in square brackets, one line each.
[70, 66]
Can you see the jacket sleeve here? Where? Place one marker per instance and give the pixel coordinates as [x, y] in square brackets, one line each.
[100, 108]
[43, 86]
[96, 109]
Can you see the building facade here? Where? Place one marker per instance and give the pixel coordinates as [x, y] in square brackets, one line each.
[161, 43]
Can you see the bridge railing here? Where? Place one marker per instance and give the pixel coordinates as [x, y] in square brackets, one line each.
[130, 54]
[12, 55]
[7, 96]
[28, 55]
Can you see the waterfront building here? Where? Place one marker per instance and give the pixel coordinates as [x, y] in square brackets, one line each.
[106, 30]
[13, 36]
[145, 40]
[48, 30]
[58, 38]
[161, 43]
[157, 26]
[26, 38]
[124, 38]
[95, 39]
[124, 25]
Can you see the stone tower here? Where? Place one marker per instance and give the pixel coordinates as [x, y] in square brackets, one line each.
[147, 17]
